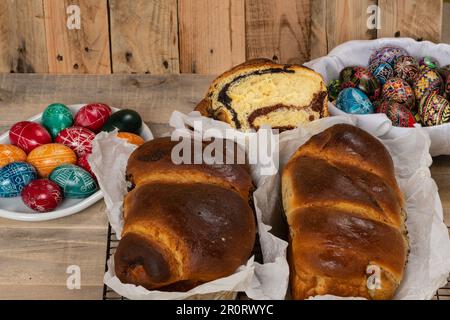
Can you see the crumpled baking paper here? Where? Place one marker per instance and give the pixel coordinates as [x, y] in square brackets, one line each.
[358, 52]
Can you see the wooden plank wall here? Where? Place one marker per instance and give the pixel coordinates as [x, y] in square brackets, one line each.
[194, 36]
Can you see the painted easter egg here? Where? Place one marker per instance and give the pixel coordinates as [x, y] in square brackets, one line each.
[362, 79]
[124, 120]
[84, 163]
[28, 135]
[382, 71]
[388, 54]
[434, 110]
[428, 62]
[93, 116]
[406, 68]
[42, 195]
[398, 90]
[399, 115]
[131, 138]
[75, 182]
[14, 177]
[56, 117]
[427, 81]
[47, 157]
[334, 87]
[10, 153]
[352, 100]
[78, 139]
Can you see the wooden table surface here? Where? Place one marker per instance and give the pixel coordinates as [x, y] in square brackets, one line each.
[34, 257]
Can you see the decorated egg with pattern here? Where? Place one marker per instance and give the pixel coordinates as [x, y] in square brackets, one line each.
[10, 153]
[399, 115]
[47, 157]
[131, 138]
[382, 71]
[56, 117]
[42, 195]
[354, 101]
[427, 81]
[398, 90]
[406, 68]
[93, 116]
[434, 110]
[362, 79]
[75, 182]
[428, 62]
[78, 139]
[334, 87]
[84, 163]
[388, 54]
[14, 177]
[28, 135]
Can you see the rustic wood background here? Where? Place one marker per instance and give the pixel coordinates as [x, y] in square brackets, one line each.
[194, 36]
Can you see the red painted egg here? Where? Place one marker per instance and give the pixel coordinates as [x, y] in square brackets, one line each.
[42, 195]
[78, 139]
[83, 163]
[400, 115]
[93, 116]
[28, 135]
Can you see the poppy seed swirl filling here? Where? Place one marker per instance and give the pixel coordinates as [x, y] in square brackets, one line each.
[281, 97]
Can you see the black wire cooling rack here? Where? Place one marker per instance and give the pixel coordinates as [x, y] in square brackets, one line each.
[109, 294]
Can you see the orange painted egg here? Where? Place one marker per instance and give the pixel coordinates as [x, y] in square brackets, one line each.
[10, 153]
[131, 138]
[49, 156]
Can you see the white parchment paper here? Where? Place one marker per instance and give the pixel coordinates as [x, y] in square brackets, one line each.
[358, 52]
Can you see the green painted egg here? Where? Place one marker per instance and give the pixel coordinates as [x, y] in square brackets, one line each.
[75, 182]
[125, 121]
[56, 117]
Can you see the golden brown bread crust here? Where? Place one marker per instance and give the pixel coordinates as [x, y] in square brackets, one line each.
[319, 103]
[155, 157]
[344, 210]
[184, 224]
[183, 233]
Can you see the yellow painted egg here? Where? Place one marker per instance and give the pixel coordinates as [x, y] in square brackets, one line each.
[131, 138]
[49, 156]
[10, 154]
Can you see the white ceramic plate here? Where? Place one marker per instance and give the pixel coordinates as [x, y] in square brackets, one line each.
[14, 208]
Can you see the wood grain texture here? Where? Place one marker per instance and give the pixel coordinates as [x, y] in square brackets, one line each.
[144, 36]
[344, 20]
[417, 19]
[212, 35]
[22, 37]
[76, 51]
[278, 30]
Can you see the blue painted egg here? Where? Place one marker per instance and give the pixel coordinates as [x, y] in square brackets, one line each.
[354, 101]
[75, 182]
[382, 71]
[14, 177]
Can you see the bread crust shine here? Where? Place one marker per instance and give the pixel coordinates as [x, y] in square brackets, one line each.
[184, 224]
[345, 214]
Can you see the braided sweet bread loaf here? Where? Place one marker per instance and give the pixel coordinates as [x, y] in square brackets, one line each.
[184, 224]
[345, 213]
[262, 92]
